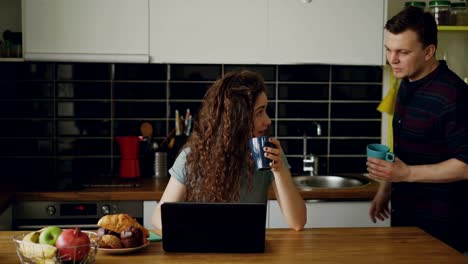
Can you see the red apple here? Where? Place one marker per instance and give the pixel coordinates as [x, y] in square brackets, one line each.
[73, 245]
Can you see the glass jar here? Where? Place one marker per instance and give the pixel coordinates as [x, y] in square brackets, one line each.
[459, 14]
[441, 11]
[420, 4]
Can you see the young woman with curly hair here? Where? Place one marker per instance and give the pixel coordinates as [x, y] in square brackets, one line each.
[215, 164]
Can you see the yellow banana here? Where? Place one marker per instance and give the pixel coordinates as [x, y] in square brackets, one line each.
[32, 237]
[34, 250]
[46, 261]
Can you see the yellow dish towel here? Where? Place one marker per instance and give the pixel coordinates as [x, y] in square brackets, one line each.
[387, 105]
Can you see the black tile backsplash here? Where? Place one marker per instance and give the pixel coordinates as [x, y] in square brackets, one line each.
[353, 128]
[83, 147]
[27, 90]
[188, 90]
[59, 120]
[26, 71]
[303, 91]
[299, 127]
[88, 90]
[141, 72]
[125, 91]
[304, 73]
[342, 146]
[83, 109]
[84, 128]
[26, 147]
[316, 145]
[364, 74]
[353, 92]
[26, 109]
[12, 128]
[353, 110]
[83, 167]
[140, 109]
[268, 72]
[181, 72]
[303, 109]
[346, 164]
[84, 71]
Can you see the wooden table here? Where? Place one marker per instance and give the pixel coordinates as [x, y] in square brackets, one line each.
[285, 246]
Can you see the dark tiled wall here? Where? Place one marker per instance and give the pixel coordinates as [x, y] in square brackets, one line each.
[59, 119]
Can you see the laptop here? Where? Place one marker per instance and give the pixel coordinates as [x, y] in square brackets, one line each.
[213, 227]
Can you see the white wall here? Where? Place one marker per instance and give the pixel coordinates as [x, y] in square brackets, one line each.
[453, 47]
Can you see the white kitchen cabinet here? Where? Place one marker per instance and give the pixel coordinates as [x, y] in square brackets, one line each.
[267, 31]
[86, 30]
[322, 213]
[208, 31]
[326, 31]
[148, 208]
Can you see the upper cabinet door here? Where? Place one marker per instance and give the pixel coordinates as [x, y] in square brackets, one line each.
[327, 31]
[208, 31]
[86, 30]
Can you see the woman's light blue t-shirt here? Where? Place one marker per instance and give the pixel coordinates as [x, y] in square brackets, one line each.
[260, 185]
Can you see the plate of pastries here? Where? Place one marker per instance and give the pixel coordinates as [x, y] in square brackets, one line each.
[121, 234]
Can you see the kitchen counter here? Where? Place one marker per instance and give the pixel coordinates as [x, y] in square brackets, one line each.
[325, 245]
[152, 189]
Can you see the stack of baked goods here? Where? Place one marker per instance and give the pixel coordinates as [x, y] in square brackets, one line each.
[121, 231]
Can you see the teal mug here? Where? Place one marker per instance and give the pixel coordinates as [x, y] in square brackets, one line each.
[380, 151]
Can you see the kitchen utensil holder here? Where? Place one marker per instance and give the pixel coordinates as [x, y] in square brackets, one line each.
[160, 164]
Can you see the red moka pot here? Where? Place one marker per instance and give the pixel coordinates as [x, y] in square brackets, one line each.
[129, 152]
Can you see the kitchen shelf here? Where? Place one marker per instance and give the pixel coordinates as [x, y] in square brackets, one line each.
[453, 28]
[11, 59]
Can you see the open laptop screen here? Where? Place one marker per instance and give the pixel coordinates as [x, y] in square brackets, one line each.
[213, 227]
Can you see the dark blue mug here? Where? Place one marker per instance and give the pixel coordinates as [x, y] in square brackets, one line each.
[256, 145]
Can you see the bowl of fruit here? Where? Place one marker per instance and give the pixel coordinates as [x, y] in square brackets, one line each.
[53, 245]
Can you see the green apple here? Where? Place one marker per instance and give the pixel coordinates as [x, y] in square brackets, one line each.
[49, 235]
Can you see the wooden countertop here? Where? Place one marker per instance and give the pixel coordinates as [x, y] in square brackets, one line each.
[325, 245]
[152, 189]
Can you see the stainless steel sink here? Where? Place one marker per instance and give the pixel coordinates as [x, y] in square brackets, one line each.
[329, 181]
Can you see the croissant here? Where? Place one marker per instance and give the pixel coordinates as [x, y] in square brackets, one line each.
[109, 241]
[119, 222]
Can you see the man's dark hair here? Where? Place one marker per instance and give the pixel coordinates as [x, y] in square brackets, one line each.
[415, 19]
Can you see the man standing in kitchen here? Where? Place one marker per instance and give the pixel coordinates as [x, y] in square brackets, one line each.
[427, 184]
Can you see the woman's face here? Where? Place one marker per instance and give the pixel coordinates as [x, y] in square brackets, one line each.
[260, 116]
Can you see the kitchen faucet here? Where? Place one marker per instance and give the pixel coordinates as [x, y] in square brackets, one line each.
[310, 162]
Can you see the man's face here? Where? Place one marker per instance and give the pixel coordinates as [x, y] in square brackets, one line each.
[406, 55]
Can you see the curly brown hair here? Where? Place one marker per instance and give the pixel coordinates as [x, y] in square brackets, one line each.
[219, 150]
